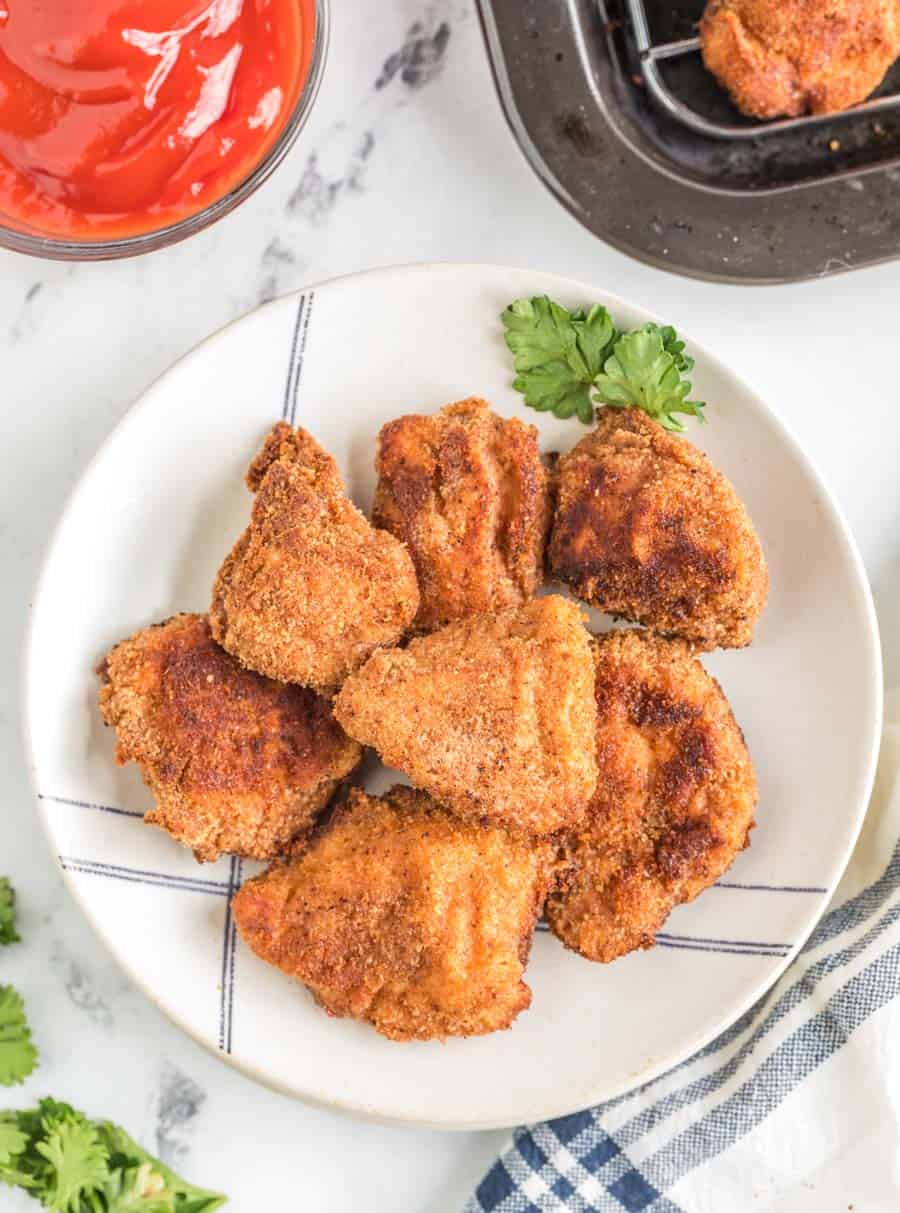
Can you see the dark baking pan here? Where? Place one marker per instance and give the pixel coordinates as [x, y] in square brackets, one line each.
[618, 117]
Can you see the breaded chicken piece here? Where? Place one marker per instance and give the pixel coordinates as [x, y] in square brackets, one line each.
[646, 529]
[401, 915]
[237, 763]
[792, 57]
[311, 588]
[493, 715]
[674, 802]
[467, 493]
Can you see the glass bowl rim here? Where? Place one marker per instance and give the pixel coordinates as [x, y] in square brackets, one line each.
[56, 248]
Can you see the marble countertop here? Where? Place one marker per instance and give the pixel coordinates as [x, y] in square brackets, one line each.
[407, 158]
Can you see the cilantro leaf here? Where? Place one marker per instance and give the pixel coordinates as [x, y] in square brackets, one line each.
[138, 1190]
[18, 1056]
[71, 1164]
[642, 373]
[12, 1141]
[76, 1163]
[557, 353]
[568, 362]
[8, 932]
[139, 1180]
[48, 1113]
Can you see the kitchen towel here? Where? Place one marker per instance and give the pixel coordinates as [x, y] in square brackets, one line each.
[794, 1109]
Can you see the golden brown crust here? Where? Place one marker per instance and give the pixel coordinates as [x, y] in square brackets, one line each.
[237, 763]
[647, 529]
[311, 588]
[493, 715]
[467, 493]
[674, 801]
[296, 448]
[403, 916]
[791, 57]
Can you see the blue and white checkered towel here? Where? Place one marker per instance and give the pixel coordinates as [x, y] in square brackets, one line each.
[795, 1109]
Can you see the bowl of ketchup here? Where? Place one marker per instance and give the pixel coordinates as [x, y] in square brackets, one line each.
[126, 125]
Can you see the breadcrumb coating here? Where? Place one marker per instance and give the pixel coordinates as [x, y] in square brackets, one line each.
[674, 802]
[400, 914]
[493, 715]
[237, 763]
[311, 588]
[646, 529]
[791, 57]
[467, 493]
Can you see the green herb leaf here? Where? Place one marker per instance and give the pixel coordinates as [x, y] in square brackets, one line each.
[12, 1142]
[26, 1168]
[140, 1180]
[538, 331]
[18, 1056]
[595, 334]
[550, 389]
[642, 373]
[75, 1165]
[566, 362]
[8, 932]
[672, 345]
[557, 353]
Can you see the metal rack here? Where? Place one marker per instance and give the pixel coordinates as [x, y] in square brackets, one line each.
[651, 54]
[771, 205]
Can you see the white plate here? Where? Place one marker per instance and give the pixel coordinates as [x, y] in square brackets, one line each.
[143, 536]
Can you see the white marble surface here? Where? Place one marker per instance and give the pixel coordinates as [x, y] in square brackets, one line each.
[419, 169]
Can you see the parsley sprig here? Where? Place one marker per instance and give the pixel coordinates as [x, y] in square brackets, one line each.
[75, 1165]
[68, 1163]
[568, 362]
[18, 1056]
[8, 933]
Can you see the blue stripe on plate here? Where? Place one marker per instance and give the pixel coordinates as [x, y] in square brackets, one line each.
[87, 804]
[194, 884]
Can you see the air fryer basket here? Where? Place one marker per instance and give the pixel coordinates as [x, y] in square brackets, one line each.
[616, 113]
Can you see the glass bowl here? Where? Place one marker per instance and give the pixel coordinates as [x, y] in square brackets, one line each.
[58, 248]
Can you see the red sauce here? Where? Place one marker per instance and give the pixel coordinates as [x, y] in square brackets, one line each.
[124, 116]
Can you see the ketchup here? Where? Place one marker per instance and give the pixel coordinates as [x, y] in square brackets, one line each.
[119, 117]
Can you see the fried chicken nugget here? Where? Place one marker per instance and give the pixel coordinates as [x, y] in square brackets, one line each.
[467, 493]
[493, 715]
[311, 588]
[401, 915]
[237, 763]
[792, 57]
[647, 529]
[674, 801]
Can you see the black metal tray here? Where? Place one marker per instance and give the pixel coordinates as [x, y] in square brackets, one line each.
[618, 117]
